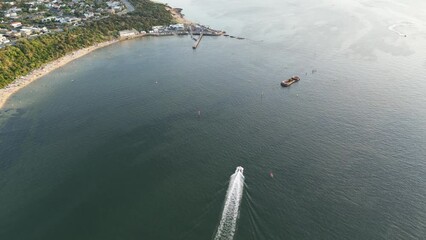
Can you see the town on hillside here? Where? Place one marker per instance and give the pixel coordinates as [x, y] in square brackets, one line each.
[28, 19]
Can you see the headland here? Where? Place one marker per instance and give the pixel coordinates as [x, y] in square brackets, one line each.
[21, 82]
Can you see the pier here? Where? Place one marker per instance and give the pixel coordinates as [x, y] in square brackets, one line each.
[185, 29]
[198, 41]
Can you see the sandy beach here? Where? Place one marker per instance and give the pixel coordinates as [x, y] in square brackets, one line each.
[23, 81]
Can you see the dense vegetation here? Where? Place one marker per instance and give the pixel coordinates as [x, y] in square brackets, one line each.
[29, 54]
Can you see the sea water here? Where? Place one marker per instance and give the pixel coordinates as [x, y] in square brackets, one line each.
[112, 145]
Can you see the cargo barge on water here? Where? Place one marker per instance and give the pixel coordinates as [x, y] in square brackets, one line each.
[290, 81]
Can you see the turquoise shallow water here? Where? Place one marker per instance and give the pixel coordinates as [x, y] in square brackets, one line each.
[111, 146]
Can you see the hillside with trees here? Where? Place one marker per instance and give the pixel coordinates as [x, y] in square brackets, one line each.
[29, 54]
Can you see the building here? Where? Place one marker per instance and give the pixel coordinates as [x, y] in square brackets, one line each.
[11, 15]
[177, 27]
[14, 10]
[157, 29]
[68, 20]
[26, 31]
[113, 4]
[16, 24]
[128, 33]
[89, 14]
[3, 39]
[15, 34]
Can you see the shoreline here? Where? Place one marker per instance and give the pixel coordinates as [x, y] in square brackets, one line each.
[21, 82]
[178, 16]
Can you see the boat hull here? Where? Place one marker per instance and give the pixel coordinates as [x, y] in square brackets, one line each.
[290, 81]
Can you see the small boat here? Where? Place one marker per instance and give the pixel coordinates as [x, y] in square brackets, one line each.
[240, 38]
[290, 81]
[226, 35]
[239, 170]
[231, 36]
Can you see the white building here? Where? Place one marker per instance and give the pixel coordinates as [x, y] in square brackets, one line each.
[117, 8]
[3, 39]
[32, 30]
[178, 27]
[15, 34]
[113, 4]
[89, 14]
[157, 29]
[11, 15]
[128, 33]
[14, 10]
[26, 31]
[68, 20]
[16, 24]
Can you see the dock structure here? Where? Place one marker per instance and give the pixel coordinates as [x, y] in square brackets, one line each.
[198, 41]
[192, 30]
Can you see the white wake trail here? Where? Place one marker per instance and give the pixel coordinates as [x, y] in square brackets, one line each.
[394, 28]
[231, 208]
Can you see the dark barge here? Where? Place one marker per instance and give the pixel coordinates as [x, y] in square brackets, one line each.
[288, 82]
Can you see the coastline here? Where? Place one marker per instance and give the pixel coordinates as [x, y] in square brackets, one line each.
[178, 16]
[21, 82]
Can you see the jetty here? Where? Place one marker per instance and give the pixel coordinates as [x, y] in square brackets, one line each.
[198, 41]
[191, 29]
